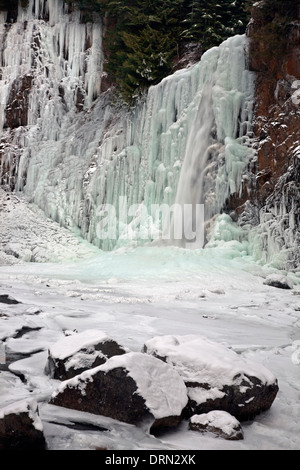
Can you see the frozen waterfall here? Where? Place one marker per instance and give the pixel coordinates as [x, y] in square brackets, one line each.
[110, 171]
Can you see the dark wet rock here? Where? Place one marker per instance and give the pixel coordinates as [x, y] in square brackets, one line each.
[133, 388]
[16, 111]
[278, 280]
[78, 352]
[216, 377]
[21, 427]
[7, 299]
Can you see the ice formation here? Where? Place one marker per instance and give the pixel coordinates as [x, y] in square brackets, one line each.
[76, 157]
[118, 176]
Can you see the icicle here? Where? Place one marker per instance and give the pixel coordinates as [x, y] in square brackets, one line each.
[80, 156]
[62, 57]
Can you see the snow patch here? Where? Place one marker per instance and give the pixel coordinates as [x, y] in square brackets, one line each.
[69, 345]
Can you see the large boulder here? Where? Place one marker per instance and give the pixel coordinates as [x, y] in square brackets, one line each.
[133, 388]
[78, 352]
[215, 376]
[21, 427]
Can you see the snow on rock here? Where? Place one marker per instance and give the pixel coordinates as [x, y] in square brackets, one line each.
[216, 377]
[11, 388]
[278, 280]
[296, 354]
[21, 427]
[220, 423]
[133, 388]
[78, 352]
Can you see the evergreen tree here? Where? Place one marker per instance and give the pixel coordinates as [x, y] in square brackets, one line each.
[212, 21]
[148, 35]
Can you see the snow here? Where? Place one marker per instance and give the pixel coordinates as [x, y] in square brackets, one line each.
[35, 244]
[134, 295]
[71, 344]
[8, 383]
[200, 360]
[217, 419]
[296, 354]
[29, 407]
[164, 391]
[161, 387]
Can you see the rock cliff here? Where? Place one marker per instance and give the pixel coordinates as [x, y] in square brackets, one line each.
[271, 199]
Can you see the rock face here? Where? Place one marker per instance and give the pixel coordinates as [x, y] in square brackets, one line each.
[220, 423]
[21, 427]
[273, 189]
[133, 388]
[16, 111]
[80, 351]
[216, 377]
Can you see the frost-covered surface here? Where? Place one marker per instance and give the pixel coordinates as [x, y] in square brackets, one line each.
[134, 295]
[200, 360]
[161, 387]
[35, 238]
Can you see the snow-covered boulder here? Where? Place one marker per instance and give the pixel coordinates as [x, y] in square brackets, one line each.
[216, 377]
[220, 423]
[21, 427]
[78, 352]
[133, 388]
[278, 280]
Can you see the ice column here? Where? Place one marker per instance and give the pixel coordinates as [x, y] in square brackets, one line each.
[59, 58]
[78, 156]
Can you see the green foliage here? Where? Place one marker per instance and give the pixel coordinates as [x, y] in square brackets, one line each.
[213, 21]
[146, 37]
[142, 46]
